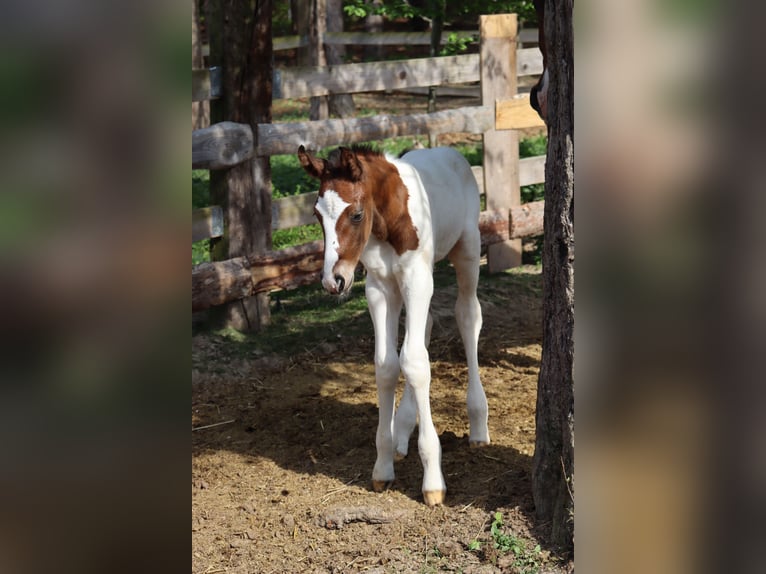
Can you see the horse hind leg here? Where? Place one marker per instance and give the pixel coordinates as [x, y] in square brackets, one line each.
[468, 315]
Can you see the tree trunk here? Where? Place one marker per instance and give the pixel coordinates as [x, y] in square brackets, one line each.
[312, 22]
[373, 24]
[240, 42]
[200, 110]
[553, 466]
[341, 105]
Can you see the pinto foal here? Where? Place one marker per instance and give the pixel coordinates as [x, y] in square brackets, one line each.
[398, 217]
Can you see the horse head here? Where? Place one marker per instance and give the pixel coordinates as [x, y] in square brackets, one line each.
[345, 210]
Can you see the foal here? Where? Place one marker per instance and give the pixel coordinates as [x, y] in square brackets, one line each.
[398, 217]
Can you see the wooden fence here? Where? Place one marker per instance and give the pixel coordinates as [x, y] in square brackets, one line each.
[505, 222]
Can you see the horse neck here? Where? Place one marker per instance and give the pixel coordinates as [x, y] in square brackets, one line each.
[391, 219]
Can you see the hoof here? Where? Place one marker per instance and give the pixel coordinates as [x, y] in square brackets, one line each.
[381, 485]
[433, 497]
[477, 443]
[399, 456]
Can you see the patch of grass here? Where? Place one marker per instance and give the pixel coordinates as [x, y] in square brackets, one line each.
[200, 188]
[289, 178]
[526, 560]
[296, 235]
[302, 319]
[200, 252]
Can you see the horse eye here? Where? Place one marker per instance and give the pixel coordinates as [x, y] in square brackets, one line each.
[357, 217]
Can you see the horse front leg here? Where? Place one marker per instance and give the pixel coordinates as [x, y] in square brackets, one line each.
[417, 288]
[407, 413]
[385, 305]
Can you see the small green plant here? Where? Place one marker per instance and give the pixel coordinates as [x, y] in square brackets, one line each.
[526, 561]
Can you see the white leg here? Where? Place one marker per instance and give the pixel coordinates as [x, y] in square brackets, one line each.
[385, 304]
[407, 413]
[468, 316]
[417, 288]
[404, 422]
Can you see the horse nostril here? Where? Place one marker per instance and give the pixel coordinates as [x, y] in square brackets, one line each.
[341, 282]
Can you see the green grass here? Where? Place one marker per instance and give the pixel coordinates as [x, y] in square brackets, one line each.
[526, 560]
[304, 318]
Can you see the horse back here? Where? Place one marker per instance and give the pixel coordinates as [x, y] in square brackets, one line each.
[447, 181]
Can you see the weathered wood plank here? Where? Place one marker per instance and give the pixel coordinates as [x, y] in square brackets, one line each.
[529, 62]
[526, 220]
[207, 84]
[449, 90]
[528, 36]
[207, 222]
[498, 226]
[275, 139]
[293, 211]
[532, 170]
[377, 76]
[290, 43]
[516, 114]
[220, 282]
[222, 145]
[201, 89]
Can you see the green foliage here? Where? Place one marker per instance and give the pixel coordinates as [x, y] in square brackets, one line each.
[200, 188]
[391, 9]
[465, 10]
[530, 147]
[200, 252]
[457, 44]
[525, 560]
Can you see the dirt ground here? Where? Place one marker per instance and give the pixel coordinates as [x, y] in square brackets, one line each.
[274, 484]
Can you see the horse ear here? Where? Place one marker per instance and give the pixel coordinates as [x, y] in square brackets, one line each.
[313, 165]
[351, 164]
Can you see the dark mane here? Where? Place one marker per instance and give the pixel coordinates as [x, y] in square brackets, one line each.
[364, 150]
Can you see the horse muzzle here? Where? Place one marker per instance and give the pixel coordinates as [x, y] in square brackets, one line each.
[340, 281]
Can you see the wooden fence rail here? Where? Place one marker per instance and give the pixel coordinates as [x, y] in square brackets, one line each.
[281, 43]
[303, 82]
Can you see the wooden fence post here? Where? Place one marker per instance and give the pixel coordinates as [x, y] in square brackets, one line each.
[241, 44]
[501, 148]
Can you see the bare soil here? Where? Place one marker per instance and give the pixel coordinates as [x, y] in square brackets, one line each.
[284, 484]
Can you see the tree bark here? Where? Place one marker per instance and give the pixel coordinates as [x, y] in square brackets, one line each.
[373, 24]
[200, 110]
[553, 465]
[341, 105]
[312, 23]
[240, 42]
